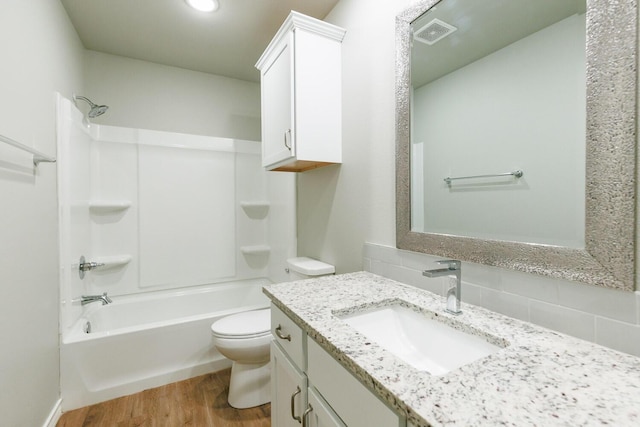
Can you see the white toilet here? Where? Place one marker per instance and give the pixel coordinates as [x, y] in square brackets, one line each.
[308, 268]
[244, 338]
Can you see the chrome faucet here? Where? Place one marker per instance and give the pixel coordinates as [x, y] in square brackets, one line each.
[454, 268]
[86, 299]
[84, 266]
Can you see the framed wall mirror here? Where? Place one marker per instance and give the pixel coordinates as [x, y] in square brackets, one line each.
[516, 135]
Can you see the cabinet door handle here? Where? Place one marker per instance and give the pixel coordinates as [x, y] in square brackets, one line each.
[304, 415]
[293, 410]
[288, 132]
[281, 335]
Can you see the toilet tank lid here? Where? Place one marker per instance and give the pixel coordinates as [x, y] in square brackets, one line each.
[310, 266]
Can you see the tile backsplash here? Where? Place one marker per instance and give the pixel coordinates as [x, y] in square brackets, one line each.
[604, 316]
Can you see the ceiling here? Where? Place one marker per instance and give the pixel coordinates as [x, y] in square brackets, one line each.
[482, 28]
[227, 42]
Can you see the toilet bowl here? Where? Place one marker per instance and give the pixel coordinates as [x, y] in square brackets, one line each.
[244, 338]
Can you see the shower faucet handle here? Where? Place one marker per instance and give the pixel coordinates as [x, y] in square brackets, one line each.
[84, 266]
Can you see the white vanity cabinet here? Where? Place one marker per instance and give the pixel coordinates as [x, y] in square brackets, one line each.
[301, 89]
[288, 390]
[288, 363]
[345, 394]
[319, 413]
[311, 388]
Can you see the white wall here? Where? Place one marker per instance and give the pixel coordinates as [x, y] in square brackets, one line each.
[340, 208]
[145, 95]
[41, 54]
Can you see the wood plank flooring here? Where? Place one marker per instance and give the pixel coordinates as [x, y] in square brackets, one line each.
[197, 402]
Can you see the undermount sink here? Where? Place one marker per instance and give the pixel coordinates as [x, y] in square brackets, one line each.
[424, 343]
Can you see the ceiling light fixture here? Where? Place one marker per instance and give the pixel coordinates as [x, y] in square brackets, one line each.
[204, 5]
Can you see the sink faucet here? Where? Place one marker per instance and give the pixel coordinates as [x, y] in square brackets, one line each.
[454, 268]
[86, 299]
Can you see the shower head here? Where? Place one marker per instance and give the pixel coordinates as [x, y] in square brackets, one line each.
[96, 110]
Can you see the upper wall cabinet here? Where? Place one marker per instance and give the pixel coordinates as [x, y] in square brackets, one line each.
[300, 77]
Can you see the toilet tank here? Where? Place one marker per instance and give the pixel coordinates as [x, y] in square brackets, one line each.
[308, 268]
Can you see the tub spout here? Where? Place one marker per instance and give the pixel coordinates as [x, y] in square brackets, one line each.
[86, 299]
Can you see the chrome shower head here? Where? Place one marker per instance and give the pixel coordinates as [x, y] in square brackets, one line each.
[96, 110]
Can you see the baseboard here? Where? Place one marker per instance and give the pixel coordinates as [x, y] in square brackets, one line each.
[54, 415]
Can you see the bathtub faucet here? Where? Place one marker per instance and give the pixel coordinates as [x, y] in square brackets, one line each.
[86, 299]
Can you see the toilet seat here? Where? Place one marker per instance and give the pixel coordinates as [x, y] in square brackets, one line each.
[250, 324]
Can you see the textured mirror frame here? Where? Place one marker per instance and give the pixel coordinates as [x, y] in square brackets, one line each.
[608, 259]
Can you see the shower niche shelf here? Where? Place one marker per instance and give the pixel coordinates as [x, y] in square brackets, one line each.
[255, 250]
[256, 210]
[108, 206]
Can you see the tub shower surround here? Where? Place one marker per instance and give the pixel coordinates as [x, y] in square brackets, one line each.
[540, 378]
[157, 212]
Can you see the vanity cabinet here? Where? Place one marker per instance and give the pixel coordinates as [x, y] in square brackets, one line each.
[301, 90]
[309, 387]
[320, 413]
[345, 394]
[288, 390]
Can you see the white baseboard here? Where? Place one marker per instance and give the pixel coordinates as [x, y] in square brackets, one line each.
[54, 415]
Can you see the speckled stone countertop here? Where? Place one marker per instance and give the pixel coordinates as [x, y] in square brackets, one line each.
[542, 378]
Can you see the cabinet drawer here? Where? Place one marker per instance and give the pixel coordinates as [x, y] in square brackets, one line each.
[289, 336]
[345, 394]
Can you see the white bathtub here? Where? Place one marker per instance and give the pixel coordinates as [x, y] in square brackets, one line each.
[145, 341]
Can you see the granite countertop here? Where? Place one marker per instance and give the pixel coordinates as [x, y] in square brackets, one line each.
[541, 378]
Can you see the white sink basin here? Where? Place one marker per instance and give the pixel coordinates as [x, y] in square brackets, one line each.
[426, 344]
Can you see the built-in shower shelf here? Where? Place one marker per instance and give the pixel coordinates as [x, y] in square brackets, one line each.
[106, 206]
[112, 261]
[256, 210]
[255, 250]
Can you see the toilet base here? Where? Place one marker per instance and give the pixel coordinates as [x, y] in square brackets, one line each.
[250, 385]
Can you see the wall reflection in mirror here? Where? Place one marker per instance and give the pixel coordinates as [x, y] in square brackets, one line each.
[499, 86]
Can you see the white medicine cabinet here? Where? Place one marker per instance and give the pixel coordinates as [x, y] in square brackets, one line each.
[301, 89]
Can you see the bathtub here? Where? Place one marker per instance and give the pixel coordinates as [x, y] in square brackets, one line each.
[144, 341]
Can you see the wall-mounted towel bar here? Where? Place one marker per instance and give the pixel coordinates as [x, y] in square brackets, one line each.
[37, 156]
[516, 174]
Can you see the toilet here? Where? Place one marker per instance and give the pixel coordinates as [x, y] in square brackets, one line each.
[244, 338]
[308, 268]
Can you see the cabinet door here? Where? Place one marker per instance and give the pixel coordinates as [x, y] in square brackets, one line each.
[320, 413]
[288, 390]
[277, 123]
[345, 394]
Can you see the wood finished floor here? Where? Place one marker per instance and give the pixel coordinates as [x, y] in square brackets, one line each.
[198, 402]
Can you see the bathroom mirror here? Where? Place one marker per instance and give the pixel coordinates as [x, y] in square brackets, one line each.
[571, 213]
